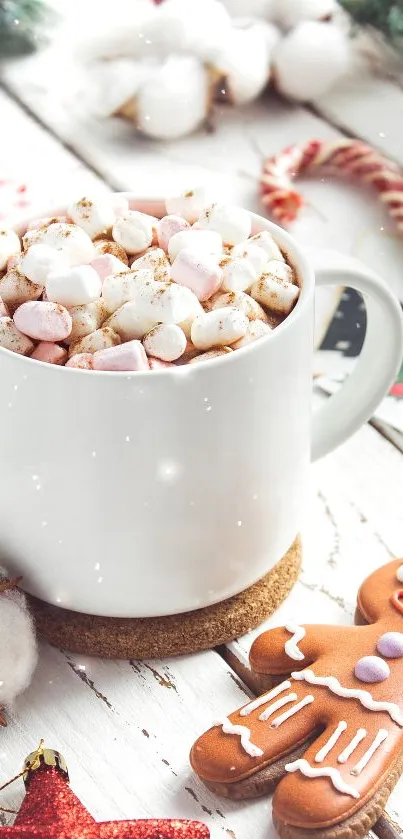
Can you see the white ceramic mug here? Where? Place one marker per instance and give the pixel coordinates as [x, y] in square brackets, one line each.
[156, 493]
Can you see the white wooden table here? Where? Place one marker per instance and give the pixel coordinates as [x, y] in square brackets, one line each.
[126, 728]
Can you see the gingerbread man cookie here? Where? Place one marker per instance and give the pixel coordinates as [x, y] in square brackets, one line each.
[330, 725]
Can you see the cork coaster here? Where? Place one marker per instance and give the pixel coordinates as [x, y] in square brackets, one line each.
[191, 632]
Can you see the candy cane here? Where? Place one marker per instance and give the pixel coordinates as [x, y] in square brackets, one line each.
[346, 158]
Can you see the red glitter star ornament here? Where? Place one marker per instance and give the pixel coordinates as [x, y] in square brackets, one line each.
[50, 810]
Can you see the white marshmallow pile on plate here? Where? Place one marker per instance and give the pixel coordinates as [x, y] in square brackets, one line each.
[109, 288]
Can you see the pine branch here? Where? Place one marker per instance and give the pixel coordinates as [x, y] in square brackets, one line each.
[20, 26]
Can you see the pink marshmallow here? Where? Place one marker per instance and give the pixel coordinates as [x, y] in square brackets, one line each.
[107, 264]
[50, 353]
[4, 313]
[197, 271]
[157, 364]
[128, 356]
[43, 321]
[81, 361]
[167, 227]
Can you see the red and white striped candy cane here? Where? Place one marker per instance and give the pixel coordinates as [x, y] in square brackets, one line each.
[341, 158]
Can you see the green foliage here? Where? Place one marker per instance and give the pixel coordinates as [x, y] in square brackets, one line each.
[384, 15]
[20, 23]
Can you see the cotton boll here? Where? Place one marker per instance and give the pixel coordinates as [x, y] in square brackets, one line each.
[110, 85]
[309, 60]
[175, 99]
[269, 31]
[117, 30]
[18, 654]
[244, 63]
[188, 26]
[289, 13]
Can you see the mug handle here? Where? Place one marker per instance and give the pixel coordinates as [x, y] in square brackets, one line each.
[380, 358]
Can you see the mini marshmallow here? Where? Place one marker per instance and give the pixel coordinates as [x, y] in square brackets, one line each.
[232, 223]
[50, 353]
[134, 231]
[219, 327]
[43, 321]
[15, 289]
[256, 329]
[197, 309]
[164, 302]
[199, 241]
[103, 246]
[120, 204]
[197, 271]
[95, 215]
[101, 339]
[9, 245]
[106, 264]
[189, 204]
[70, 239]
[243, 302]
[129, 356]
[238, 274]
[4, 313]
[120, 288]
[167, 227]
[166, 341]
[274, 290]
[128, 323]
[12, 339]
[82, 361]
[157, 364]
[86, 319]
[256, 256]
[157, 261]
[265, 240]
[41, 223]
[74, 286]
[39, 261]
[207, 356]
[189, 354]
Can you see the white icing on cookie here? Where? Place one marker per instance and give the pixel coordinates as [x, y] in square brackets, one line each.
[331, 742]
[287, 714]
[323, 772]
[291, 697]
[351, 747]
[363, 696]
[377, 741]
[261, 700]
[243, 732]
[291, 647]
[399, 574]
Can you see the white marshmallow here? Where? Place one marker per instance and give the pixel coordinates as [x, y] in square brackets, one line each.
[101, 339]
[275, 291]
[134, 231]
[9, 245]
[105, 246]
[243, 302]
[238, 274]
[86, 319]
[265, 240]
[256, 329]
[39, 261]
[200, 241]
[164, 302]
[189, 204]
[70, 239]
[95, 215]
[197, 309]
[255, 255]
[15, 289]
[128, 323]
[166, 341]
[120, 288]
[156, 260]
[74, 286]
[232, 223]
[218, 328]
[12, 339]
